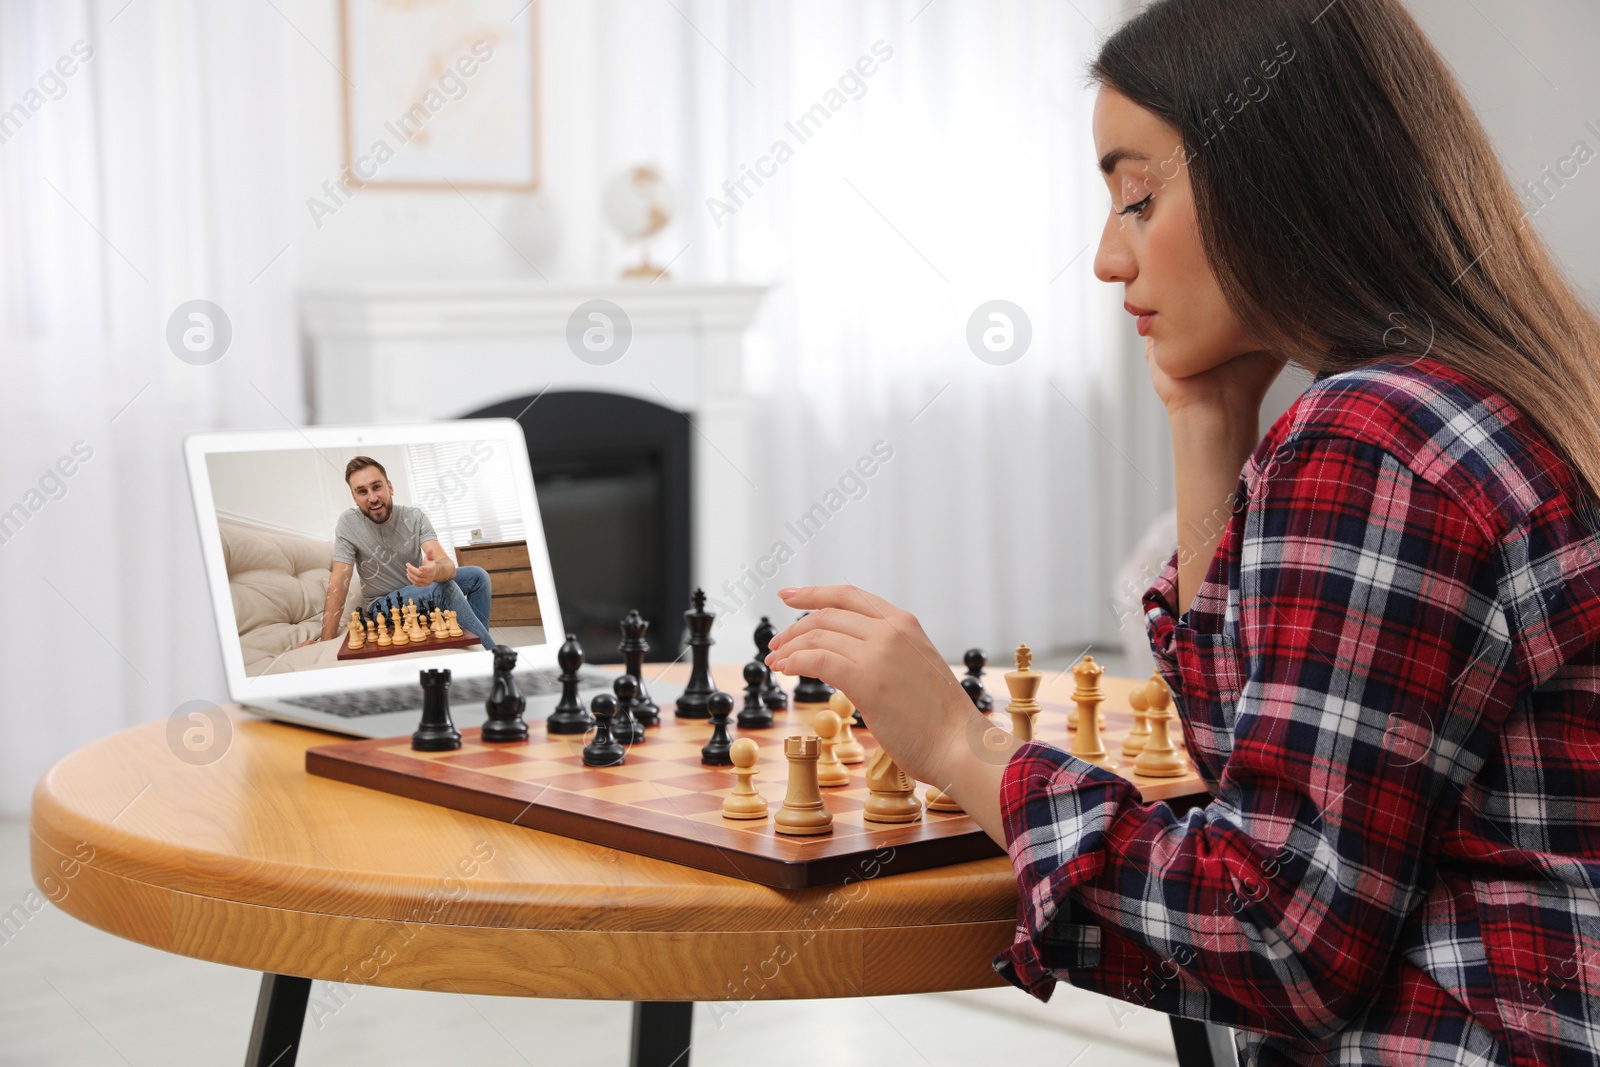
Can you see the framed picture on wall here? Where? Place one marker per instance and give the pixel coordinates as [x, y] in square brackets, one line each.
[441, 94]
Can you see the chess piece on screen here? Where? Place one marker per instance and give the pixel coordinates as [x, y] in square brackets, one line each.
[1159, 758]
[1087, 696]
[633, 649]
[755, 715]
[372, 632]
[358, 633]
[603, 750]
[506, 703]
[803, 814]
[848, 750]
[772, 694]
[452, 626]
[1139, 704]
[624, 727]
[976, 660]
[436, 733]
[401, 635]
[893, 795]
[693, 703]
[1024, 683]
[975, 692]
[715, 751]
[569, 716]
[384, 640]
[830, 772]
[744, 802]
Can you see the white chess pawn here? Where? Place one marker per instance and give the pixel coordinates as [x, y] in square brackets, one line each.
[744, 802]
[848, 749]
[1159, 758]
[1134, 743]
[830, 771]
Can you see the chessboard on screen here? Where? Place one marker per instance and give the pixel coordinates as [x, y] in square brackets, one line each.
[394, 551]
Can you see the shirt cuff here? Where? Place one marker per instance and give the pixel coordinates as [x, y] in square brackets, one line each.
[1057, 810]
[1161, 618]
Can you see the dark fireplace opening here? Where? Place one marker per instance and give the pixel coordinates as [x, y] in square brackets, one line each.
[612, 476]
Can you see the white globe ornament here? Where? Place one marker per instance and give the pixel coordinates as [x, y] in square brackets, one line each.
[638, 203]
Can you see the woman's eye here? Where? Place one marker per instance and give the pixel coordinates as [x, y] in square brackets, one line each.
[1138, 208]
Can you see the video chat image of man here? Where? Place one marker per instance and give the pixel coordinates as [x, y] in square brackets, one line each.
[399, 551]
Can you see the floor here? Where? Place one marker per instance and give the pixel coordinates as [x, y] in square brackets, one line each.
[70, 994]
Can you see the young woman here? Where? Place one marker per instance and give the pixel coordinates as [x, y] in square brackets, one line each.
[1385, 655]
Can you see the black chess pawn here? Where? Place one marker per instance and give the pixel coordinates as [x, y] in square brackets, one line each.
[633, 648]
[775, 700]
[974, 689]
[693, 703]
[627, 729]
[756, 713]
[436, 733]
[569, 716]
[976, 659]
[765, 632]
[505, 704]
[603, 749]
[812, 691]
[715, 752]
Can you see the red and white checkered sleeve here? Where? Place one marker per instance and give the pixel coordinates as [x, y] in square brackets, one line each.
[1375, 656]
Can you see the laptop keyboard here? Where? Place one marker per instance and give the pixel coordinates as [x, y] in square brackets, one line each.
[409, 697]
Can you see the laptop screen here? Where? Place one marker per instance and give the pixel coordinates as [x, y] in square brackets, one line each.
[370, 551]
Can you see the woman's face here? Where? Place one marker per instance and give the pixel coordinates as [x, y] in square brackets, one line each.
[1151, 243]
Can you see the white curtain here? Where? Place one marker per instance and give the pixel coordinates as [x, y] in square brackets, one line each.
[958, 171]
[142, 165]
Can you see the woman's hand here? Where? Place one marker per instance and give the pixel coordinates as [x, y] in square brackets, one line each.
[1234, 389]
[879, 657]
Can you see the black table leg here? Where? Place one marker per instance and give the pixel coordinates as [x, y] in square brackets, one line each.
[280, 1015]
[1192, 1043]
[661, 1034]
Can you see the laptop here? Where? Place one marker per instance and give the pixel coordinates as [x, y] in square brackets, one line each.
[392, 510]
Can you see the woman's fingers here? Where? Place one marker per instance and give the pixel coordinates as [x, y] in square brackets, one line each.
[824, 664]
[848, 597]
[850, 648]
[837, 619]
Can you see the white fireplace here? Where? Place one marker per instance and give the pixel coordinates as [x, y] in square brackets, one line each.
[415, 351]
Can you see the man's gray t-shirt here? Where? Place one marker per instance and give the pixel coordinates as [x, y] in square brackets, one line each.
[380, 552]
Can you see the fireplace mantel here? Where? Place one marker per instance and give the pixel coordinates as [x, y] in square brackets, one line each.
[389, 352]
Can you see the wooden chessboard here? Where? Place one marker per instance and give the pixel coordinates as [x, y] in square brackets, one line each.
[662, 802]
[372, 650]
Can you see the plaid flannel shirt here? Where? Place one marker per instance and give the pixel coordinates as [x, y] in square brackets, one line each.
[1390, 682]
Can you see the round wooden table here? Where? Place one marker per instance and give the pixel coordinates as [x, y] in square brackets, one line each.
[248, 860]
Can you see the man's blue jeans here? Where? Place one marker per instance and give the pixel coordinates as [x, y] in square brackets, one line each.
[468, 594]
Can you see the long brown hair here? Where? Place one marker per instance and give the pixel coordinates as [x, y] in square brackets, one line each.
[1351, 204]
